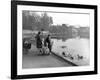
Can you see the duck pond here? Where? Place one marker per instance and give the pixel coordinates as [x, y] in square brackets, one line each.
[75, 50]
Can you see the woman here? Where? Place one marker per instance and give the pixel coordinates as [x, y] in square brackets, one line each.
[39, 42]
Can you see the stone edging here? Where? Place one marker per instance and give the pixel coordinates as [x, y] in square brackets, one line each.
[65, 59]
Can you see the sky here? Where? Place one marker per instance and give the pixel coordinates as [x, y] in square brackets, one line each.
[69, 18]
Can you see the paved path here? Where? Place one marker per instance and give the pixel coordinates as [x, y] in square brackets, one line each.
[43, 61]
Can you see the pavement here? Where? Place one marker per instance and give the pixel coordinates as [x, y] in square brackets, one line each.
[43, 61]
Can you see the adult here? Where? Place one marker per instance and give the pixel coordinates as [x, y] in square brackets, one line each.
[48, 43]
[39, 42]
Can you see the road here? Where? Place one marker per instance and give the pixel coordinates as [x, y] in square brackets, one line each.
[43, 61]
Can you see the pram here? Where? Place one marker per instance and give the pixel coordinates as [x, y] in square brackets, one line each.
[26, 46]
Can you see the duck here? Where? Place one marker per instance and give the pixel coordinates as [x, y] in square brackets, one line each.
[63, 53]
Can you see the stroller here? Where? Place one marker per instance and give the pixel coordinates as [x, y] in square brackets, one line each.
[26, 45]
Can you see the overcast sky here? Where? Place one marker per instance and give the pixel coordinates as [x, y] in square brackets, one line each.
[69, 18]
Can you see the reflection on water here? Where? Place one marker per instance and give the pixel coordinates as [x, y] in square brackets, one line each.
[74, 46]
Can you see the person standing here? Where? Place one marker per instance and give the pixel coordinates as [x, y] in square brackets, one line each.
[39, 42]
[48, 42]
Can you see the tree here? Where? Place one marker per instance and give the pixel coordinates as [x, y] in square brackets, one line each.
[46, 21]
[26, 20]
[30, 20]
[33, 21]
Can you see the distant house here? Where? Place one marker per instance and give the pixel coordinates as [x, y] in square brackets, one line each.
[72, 31]
[84, 32]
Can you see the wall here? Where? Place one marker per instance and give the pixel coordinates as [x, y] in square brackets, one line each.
[5, 29]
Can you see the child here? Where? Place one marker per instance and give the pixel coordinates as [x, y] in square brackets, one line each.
[45, 49]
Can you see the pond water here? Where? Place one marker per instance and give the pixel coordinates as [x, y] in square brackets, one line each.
[74, 47]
